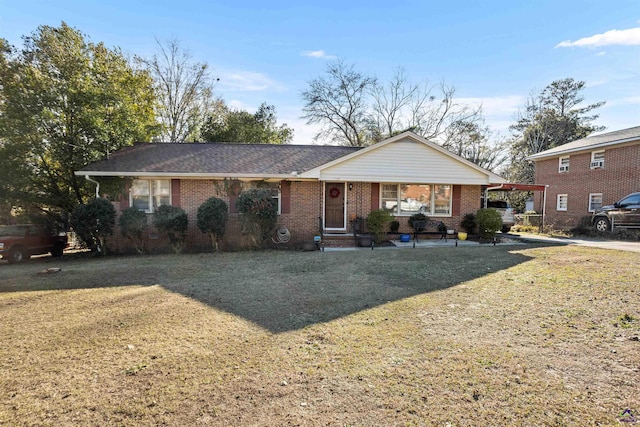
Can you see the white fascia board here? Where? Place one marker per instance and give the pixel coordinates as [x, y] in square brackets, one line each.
[186, 175]
[560, 153]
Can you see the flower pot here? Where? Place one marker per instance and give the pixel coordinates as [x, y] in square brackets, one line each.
[462, 235]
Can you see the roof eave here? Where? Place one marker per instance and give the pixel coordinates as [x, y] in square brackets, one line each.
[186, 175]
[543, 155]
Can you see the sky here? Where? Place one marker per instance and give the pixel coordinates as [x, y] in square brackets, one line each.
[495, 53]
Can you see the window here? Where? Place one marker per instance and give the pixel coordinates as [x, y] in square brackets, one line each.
[275, 196]
[595, 201]
[563, 201]
[597, 159]
[563, 164]
[147, 194]
[409, 199]
[271, 187]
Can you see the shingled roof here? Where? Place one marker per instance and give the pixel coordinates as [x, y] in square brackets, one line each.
[591, 142]
[214, 159]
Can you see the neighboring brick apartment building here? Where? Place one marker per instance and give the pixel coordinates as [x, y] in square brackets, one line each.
[588, 173]
[315, 186]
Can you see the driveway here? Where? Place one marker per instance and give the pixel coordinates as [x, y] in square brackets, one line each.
[604, 244]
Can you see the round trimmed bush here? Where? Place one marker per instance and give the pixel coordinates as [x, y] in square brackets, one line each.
[489, 222]
[212, 219]
[133, 226]
[172, 222]
[93, 222]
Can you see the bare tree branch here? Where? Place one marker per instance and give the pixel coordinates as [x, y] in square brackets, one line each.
[184, 89]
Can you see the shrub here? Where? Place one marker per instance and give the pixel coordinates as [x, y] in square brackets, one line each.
[489, 222]
[259, 213]
[172, 222]
[133, 226]
[377, 222]
[417, 217]
[584, 227]
[468, 223]
[394, 226]
[93, 222]
[212, 219]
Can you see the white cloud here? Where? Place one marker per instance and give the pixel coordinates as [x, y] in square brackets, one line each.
[629, 100]
[246, 81]
[601, 53]
[317, 54]
[630, 37]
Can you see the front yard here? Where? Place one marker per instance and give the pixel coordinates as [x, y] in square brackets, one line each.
[505, 335]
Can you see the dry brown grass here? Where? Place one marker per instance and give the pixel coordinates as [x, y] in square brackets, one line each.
[518, 335]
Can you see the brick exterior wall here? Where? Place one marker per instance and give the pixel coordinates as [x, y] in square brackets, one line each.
[619, 177]
[306, 204]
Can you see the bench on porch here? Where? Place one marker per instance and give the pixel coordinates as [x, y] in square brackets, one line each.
[430, 227]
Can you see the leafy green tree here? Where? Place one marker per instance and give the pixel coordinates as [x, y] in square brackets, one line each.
[93, 222]
[65, 102]
[259, 213]
[133, 226]
[212, 219]
[239, 126]
[553, 117]
[172, 222]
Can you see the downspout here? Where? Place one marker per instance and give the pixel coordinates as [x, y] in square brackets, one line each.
[544, 205]
[97, 185]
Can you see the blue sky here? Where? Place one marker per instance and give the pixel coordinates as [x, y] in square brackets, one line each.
[494, 52]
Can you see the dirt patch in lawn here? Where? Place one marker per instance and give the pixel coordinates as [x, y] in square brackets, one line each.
[451, 336]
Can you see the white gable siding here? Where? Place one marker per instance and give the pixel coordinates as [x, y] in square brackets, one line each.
[404, 161]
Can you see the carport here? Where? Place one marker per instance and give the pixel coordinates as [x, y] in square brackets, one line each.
[519, 187]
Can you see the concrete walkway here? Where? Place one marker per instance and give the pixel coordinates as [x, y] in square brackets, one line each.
[604, 244]
[425, 243]
[514, 239]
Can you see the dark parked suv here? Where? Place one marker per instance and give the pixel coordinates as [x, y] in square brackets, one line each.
[623, 213]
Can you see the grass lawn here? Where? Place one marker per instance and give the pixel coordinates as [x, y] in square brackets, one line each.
[467, 336]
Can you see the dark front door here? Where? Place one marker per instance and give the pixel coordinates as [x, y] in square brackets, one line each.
[334, 205]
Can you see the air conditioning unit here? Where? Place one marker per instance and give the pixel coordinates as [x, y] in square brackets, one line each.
[597, 164]
[564, 168]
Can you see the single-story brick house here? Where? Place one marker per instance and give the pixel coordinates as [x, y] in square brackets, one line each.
[585, 174]
[317, 187]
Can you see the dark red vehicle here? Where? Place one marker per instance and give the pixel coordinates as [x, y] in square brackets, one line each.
[19, 242]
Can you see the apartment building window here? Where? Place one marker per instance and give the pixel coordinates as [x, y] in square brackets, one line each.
[563, 164]
[597, 159]
[563, 200]
[595, 201]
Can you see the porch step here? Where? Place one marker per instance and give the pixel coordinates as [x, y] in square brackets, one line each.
[338, 240]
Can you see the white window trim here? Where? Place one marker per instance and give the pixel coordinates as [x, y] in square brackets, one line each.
[591, 209]
[431, 202]
[558, 208]
[279, 200]
[593, 159]
[149, 181]
[563, 168]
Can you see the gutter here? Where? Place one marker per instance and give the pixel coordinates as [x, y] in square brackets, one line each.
[96, 183]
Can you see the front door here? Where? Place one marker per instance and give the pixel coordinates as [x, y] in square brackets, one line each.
[334, 205]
